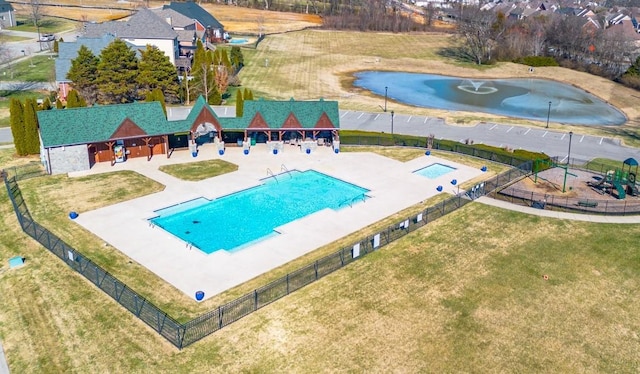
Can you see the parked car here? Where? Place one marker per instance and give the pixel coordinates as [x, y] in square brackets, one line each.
[47, 37]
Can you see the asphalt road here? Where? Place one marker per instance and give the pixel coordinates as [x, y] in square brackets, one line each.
[553, 143]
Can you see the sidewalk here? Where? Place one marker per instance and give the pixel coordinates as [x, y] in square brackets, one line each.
[4, 369]
[560, 215]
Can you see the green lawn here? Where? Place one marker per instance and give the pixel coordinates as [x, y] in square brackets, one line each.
[465, 293]
[197, 171]
[47, 25]
[5, 100]
[35, 69]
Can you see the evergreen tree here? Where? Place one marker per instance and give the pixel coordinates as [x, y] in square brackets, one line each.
[55, 46]
[59, 104]
[16, 117]
[157, 95]
[31, 140]
[199, 56]
[248, 94]
[156, 71]
[83, 74]
[239, 104]
[46, 104]
[237, 59]
[117, 71]
[74, 100]
[215, 98]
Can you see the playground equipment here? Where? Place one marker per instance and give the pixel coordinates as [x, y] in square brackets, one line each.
[544, 164]
[623, 180]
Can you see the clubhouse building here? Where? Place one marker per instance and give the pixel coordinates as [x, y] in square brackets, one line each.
[77, 138]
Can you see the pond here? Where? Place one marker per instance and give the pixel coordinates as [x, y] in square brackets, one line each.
[534, 99]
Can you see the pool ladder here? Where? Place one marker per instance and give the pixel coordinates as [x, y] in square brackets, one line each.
[270, 174]
[353, 200]
[285, 170]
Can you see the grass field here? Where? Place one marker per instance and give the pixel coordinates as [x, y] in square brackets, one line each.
[310, 64]
[464, 294]
[457, 295]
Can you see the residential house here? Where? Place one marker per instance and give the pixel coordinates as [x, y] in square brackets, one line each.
[141, 29]
[7, 15]
[202, 21]
[75, 139]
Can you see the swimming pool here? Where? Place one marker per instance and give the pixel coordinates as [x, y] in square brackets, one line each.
[434, 171]
[238, 41]
[234, 221]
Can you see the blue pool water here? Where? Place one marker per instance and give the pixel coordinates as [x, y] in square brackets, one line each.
[233, 221]
[522, 98]
[434, 171]
[238, 41]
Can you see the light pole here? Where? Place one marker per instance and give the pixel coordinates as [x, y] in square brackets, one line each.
[392, 123]
[385, 98]
[566, 168]
[569, 152]
[548, 114]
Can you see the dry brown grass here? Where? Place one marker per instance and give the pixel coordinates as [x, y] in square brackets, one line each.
[458, 295]
[235, 19]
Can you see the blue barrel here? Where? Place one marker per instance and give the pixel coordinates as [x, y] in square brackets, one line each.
[246, 152]
[73, 215]
[454, 181]
[308, 151]
[427, 153]
[194, 154]
[275, 151]
[199, 295]
[221, 152]
[484, 168]
[439, 188]
[337, 150]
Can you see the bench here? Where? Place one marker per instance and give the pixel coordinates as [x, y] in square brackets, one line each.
[588, 204]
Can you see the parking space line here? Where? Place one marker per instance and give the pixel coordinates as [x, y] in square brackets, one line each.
[601, 139]
[493, 127]
[425, 119]
[361, 114]
[581, 139]
[225, 110]
[510, 128]
[409, 119]
[345, 113]
[545, 134]
[526, 132]
[563, 135]
[377, 115]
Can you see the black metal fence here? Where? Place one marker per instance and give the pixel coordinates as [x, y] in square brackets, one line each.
[182, 335]
[571, 204]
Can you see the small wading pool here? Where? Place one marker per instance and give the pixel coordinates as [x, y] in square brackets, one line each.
[434, 171]
[234, 221]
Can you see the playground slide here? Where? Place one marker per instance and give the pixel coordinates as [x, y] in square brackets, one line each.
[605, 179]
[621, 190]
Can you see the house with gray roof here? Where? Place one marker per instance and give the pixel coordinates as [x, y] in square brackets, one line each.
[7, 15]
[68, 51]
[141, 29]
[202, 20]
[75, 139]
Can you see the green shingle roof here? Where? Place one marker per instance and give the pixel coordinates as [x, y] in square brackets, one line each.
[97, 123]
[275, 113]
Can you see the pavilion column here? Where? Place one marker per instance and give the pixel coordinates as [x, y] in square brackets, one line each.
[148, 147]
[165, 139]
[111, 153]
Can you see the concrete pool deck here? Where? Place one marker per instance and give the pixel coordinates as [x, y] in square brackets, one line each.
[393, 186]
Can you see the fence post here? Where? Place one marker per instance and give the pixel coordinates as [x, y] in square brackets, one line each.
[255, 299]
